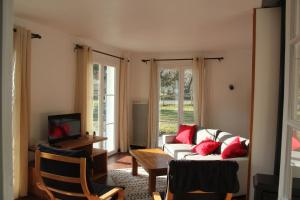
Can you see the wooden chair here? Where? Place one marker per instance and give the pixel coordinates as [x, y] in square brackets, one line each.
[184, 180]
[72, 185]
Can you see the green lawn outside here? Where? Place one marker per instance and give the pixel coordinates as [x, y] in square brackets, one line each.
[169, 117]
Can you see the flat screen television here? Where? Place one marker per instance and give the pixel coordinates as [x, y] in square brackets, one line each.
[63, 127]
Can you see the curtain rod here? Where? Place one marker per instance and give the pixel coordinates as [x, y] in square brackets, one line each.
[77, 46]
[33, 35]
[172, 59]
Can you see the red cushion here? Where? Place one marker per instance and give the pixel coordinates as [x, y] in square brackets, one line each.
[234, 149]
[206, 147]
[295, 143]
[185, 134]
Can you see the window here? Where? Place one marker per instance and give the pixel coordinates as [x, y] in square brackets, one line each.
[188, 108]
[175, 98]
[290, 152]
[104, 105]
[169, 100]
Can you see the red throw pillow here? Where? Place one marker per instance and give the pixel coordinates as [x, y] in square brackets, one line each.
[185, 134]
[234, 149]
[295, 143]
[206, 147]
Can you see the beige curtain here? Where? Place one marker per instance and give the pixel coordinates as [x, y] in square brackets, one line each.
[21, 110]
[123, 107]
[84, 86]
[199, 90]
[153, 106]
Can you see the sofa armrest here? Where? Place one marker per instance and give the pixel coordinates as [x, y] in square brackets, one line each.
[168, 139]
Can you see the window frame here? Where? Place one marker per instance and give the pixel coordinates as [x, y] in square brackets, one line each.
[181, 67]
[285, 177]
[103, 61]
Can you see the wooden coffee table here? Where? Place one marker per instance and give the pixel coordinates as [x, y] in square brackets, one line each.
[154, 161]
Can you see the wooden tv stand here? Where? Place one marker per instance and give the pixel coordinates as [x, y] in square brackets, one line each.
[99, 158]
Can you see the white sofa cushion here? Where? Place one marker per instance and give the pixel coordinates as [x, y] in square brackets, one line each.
[202, 134]
[174, 149]
[226, 138]
[182, 155]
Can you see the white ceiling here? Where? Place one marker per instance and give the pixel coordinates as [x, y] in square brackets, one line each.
[149, 25]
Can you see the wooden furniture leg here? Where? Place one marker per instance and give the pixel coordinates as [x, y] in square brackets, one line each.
[152, 183]
[134, 166]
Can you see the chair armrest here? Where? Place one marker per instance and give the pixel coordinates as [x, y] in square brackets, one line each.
[168, 139]
[112, 192]
[43, 188]
[156, 196]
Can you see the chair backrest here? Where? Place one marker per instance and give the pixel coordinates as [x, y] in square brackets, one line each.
[191, 179]
[62, 177]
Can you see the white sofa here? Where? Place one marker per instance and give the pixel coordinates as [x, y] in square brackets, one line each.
[184, 151]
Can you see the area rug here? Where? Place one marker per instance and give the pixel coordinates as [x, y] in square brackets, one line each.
[136, 187]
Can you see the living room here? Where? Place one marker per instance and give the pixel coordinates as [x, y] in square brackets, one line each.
[156, 68]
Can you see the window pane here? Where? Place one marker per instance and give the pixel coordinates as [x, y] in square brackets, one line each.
[109, 79]
[295, 58]
[96, 87]
[168, 104]
[109, 109]
[188, 107]
[295, 18]
[104, 82]
[110, 134]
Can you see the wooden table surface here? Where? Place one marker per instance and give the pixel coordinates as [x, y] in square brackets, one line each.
[151, 159]
[74, 143]
[154, 161]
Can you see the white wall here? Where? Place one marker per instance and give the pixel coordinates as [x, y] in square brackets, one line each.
[53, 74]
[267, 63]
[227, 110]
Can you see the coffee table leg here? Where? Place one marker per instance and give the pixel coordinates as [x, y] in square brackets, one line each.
[134, 166]
[152, 183]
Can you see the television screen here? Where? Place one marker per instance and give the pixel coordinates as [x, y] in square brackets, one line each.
[61, 127]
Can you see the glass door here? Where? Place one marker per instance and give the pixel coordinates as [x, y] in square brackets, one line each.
[290, 151]
[109, 105]
[104, 106]
[188, 106]
[168, 101]
[175, 99]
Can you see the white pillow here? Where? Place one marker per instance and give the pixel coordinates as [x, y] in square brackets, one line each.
[226, 138]
[202, 134]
